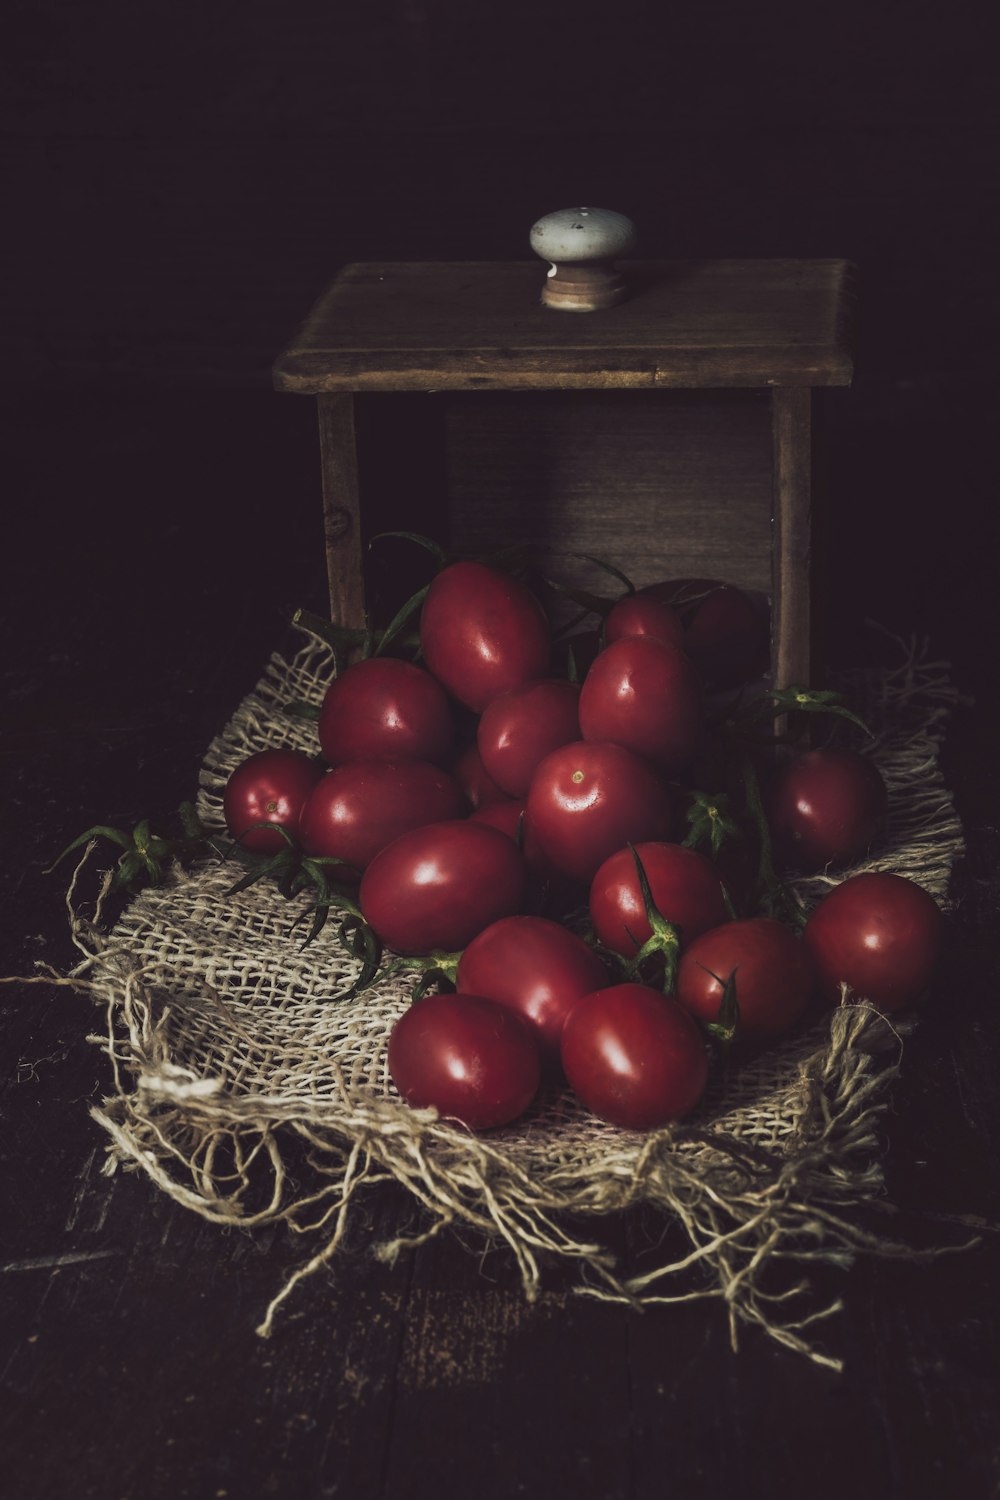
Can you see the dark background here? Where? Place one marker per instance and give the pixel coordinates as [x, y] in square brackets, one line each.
[182, 180]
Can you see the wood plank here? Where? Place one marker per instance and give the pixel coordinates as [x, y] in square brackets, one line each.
[467, 325]
[661, 484]
[341, 509]
[790, 629]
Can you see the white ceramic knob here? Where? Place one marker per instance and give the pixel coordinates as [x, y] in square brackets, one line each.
[581, 245]
[582, 234]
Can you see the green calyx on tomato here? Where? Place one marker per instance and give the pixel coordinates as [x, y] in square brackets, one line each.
[146, 856]
[710, 822]
[663, 941]
[789, 701]
[726, 1025]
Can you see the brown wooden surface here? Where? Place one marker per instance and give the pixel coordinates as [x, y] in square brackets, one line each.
[481, 325]
[791, 531]
[661, 484]
[341, 509]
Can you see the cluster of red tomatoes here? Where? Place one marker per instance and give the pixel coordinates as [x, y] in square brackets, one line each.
[572, 796]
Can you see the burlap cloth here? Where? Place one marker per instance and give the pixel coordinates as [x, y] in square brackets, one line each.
[251, 1094]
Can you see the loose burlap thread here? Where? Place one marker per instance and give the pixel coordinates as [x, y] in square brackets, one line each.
[250, 1093]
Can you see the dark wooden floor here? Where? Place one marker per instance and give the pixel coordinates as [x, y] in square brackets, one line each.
[163, 538]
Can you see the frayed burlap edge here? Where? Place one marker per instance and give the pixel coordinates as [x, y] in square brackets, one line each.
[755, 1215]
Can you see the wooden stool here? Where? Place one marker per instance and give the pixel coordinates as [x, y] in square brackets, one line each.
[710, 329]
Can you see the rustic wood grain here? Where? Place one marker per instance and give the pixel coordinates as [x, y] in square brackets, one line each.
[790, 636]
[661, 484]
[480, 325]
[341, 509]
[654, 488]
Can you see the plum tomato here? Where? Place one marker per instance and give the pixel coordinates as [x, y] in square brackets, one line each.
[587, 799]
[548, 890]
[878, 933]
[384, 709]
[477, 784]
[537, 967]
[361, 806]
[774, 972]
[825, 807]
[520, 727]
[482, 632]
[467, 1057]
[507, 815]
[638, 614]
[647, 696]
[269, 787]
[634, 1057]
[725, 633]
[686, 886]
[437, 886]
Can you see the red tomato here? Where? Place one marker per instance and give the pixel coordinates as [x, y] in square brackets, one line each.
[774, 976]
[634, 1056]
[825, 807]
[385, 709]
[476, 782]
[466, 1057]
[548, 889]
[437, 886]
[520, 727]
[360, 807]
[880, 934]
[479, 786]
[647, 696]
[507, 815]
[482, 632]
[726, 635]
[537, 967]
[269, 787]
[639, 614]
[587, 800]
[687, 890]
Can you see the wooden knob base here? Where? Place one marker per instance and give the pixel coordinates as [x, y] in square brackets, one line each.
[584, 286]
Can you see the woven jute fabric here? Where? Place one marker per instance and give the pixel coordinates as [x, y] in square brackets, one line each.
[252, 1094]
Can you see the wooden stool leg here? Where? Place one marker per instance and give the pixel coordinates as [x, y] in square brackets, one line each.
[341, 509]
[791, 416]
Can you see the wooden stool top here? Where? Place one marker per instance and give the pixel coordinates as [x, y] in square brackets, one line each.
[480, 325]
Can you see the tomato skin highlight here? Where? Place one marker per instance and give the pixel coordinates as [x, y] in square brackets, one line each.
[361, 806]
[825, 807]
[269, 787]
[775, 976]
[536, 967]
[467, 1057]
[437, 886]
[881, 935]
[647, 696]
[686, 886]
[634, 1057]
[587, 799]
[384, 709]
[520, 727]
[482, 633]
[639, 614]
